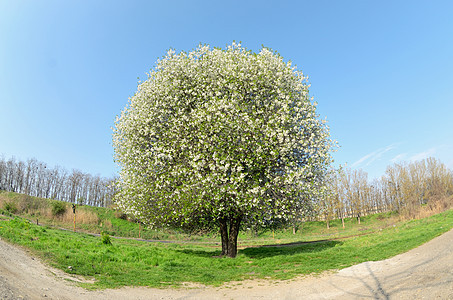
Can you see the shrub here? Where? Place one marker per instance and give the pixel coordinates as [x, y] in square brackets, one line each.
[120, 215]
[106, 238]
[30, 204]
[10, 207]
[58, 208]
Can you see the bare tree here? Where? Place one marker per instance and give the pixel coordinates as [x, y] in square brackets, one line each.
[35, 178]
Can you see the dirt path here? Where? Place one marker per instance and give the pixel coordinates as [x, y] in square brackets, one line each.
[422, 273]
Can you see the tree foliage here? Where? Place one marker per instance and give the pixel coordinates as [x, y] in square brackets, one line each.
[215, 138]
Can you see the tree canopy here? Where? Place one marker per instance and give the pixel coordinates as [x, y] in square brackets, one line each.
[218, 137]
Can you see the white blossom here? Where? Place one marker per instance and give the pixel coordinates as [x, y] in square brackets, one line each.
[217, 130]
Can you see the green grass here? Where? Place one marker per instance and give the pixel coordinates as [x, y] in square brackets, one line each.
[34, 208]
[137, 263]
[108, 221]
[317, 230]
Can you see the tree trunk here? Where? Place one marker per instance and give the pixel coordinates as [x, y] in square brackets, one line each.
[224, 235]
[233, 236]
[229, 237]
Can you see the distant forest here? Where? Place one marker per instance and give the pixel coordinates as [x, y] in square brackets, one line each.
[35, 178]
[404, 187]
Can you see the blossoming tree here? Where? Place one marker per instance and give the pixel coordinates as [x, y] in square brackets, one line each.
[215, 138]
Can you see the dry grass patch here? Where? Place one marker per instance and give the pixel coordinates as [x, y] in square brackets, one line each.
[82, 217]
[435, 206]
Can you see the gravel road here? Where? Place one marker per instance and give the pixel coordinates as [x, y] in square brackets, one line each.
[422, 273]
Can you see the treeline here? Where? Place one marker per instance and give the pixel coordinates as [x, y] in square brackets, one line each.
[403, 188]
[35, 178]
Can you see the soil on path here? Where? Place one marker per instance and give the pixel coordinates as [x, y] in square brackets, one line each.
[422, 273]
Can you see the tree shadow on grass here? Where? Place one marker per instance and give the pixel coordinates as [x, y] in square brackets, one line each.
[271, 250]
[200, 253]
[289, 249]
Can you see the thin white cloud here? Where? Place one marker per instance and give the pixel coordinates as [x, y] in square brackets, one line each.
[399, 157]
[371, 157]
[364, 158]
[423, 155]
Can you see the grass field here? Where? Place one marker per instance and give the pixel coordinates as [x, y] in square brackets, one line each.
[127, 262]
[98, 219]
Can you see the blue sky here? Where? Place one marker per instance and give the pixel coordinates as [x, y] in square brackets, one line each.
[381, 71]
